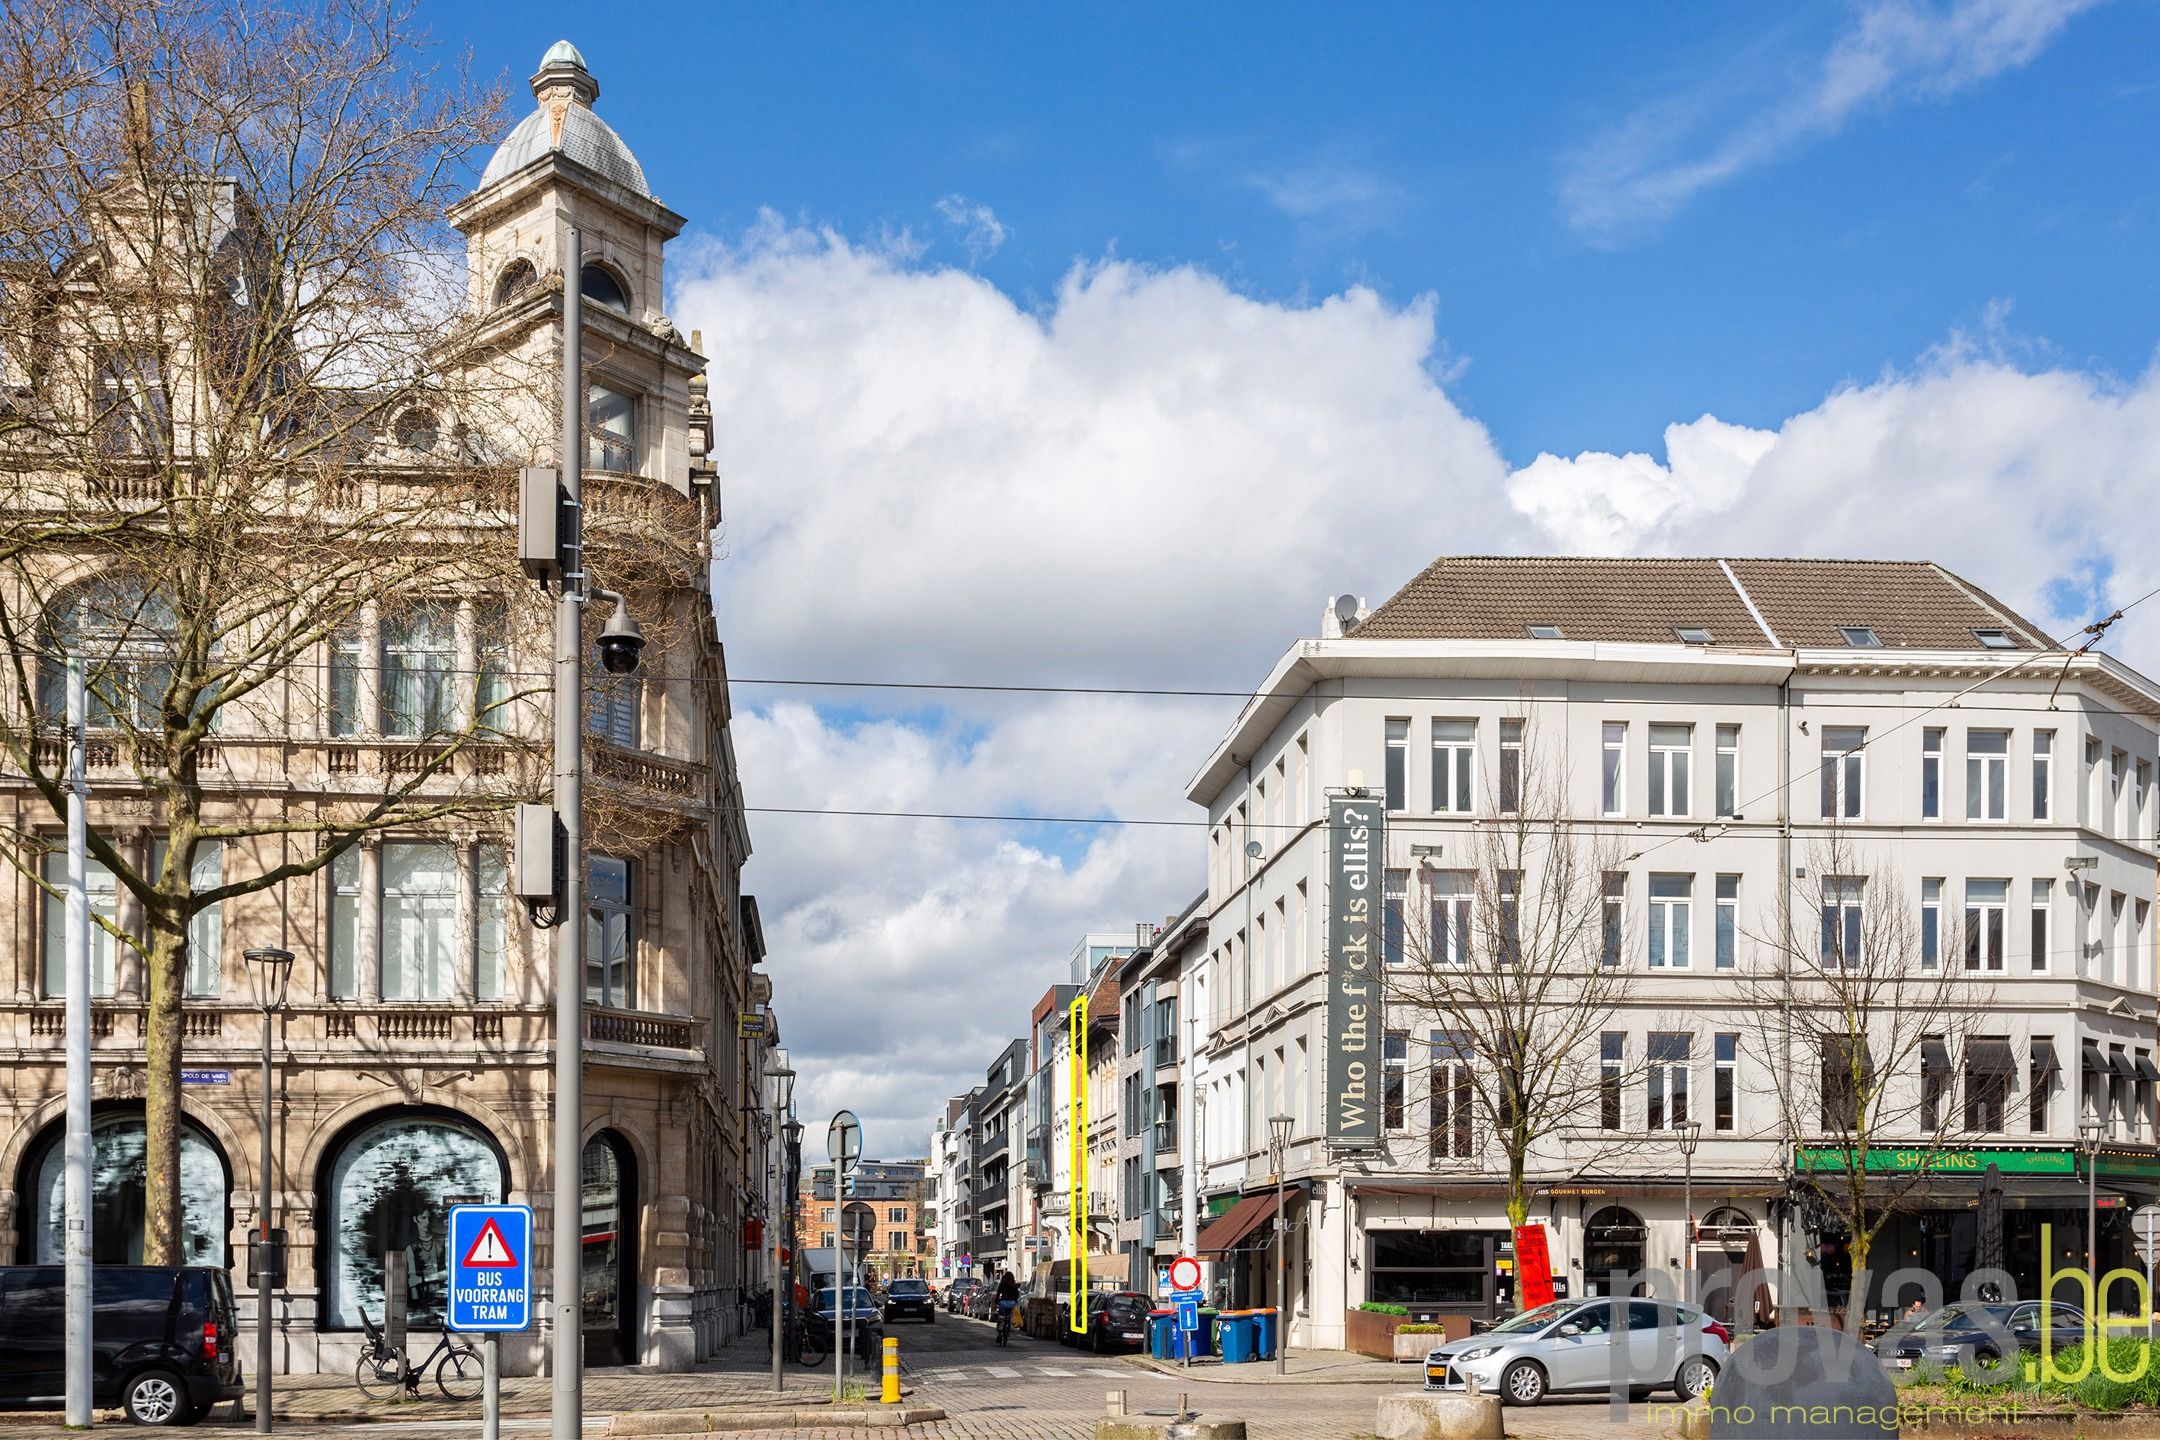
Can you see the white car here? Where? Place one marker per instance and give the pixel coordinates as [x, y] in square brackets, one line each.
[1579, 1345]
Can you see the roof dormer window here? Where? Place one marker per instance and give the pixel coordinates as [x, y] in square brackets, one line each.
[1693, 635]
[600, 285]
[1860, 637]
[1544, 632]
[1996, 639]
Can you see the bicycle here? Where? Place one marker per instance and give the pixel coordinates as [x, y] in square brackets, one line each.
[384, 1372]
[806, 1341]
[1005, 1310]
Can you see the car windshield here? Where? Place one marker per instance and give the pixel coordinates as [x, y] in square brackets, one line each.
[1124, 1303]
[858, 1301]
[909, 1287]
[1529, 1320]
[1957, 1317]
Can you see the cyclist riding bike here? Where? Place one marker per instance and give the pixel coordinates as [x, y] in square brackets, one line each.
[1008, 1297]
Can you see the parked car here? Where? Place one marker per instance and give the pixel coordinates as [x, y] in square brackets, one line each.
[958, 1293]
[1116, 1320]
[1987, 1333]
[857, 1311]
[161, 1340]
[1582, 1345]
[982, 1305]
[910, 1300]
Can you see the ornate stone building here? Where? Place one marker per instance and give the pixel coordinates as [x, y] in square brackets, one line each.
[413, 1060]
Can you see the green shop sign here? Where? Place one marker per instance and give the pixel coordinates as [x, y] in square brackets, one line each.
[1941, 1162]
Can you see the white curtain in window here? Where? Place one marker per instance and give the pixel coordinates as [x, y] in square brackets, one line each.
[491, 925]
[206, 932]
[419, 661]
[345, 925]
[419, 920]
[104, 894]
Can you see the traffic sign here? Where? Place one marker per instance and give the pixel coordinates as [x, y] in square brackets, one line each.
[1187, 1305]
[843, 1141]
[1184, 1273]
[858, 1225]
[2145, 1229]
[490, 1267]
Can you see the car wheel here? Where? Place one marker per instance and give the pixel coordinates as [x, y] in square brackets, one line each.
[1523, 1383]
[1697, 1373]
[155, 1397]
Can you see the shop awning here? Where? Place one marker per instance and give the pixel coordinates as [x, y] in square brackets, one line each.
[1934, 1054]
[1990, 1057]
[2044, 1059]
[2095, 1062]
[2146, 1069]
[1234, 1226]
[2120, 1060]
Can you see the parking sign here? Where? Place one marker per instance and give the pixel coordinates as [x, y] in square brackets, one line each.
[490, 1267]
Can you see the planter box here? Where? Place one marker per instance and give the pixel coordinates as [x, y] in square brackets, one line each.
[1414, 1346]
[1368, 1332]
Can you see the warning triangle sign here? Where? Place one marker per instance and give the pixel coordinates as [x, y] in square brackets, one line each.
[490, 1251]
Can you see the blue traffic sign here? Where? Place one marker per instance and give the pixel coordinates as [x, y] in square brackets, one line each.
[490, 1267]
[1187, 1305]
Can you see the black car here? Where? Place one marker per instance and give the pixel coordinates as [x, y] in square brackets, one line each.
[865, 1326]
[162, 1340]
[958, 1293]
[1988, 1333]
[910, 1300]
[1116, 1320]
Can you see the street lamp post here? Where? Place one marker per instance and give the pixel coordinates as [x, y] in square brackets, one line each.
[2090, 1130]
[271, 970]
[783, 1093]
[1278, 1144]
[1690, 1133]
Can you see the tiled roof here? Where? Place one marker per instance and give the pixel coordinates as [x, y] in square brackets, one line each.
[1482, 597]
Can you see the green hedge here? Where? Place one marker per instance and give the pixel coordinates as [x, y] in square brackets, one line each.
[2126, 1355]
[1381, 1307]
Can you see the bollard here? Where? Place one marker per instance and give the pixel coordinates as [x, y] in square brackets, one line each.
[891, 1394]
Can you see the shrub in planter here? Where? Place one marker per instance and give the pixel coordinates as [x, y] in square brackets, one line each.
[1421, 1329]
[1382, 1307]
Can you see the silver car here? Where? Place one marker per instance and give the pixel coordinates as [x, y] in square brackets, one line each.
[1577, 1345]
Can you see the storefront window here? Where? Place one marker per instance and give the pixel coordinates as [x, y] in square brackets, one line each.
[117, 1167]
[602, 1240]
[1432, 1267]
[391, 1187]
[1612, 1242]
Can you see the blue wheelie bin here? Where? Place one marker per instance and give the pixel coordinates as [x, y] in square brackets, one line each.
[1263, 1334]
[1235, 1333]
[1162, 1334]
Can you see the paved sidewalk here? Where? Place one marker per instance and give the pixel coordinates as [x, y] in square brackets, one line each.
[1305, 1367]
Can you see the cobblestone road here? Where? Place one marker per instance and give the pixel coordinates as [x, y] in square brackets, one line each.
[1029, 1390]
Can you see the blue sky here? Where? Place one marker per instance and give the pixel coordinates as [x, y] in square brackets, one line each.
[1426, 149]
[1084, 345]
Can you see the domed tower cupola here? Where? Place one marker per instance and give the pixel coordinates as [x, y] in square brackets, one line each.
[563, 168]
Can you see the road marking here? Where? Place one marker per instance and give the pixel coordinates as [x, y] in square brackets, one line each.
[1003, 1372]
[1054, 1374]
[1111, 1374]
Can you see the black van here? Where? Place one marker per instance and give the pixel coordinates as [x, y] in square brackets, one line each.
[162, 1340]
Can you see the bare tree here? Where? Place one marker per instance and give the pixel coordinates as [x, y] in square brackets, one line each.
[1512, 967]
[1862, 1010]
[246, 422]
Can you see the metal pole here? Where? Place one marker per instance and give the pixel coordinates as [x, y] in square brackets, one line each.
[839, 1294]
[262, 1251]
[2092, 1213]
[76, 1251]
[1687, 1225]
[779, 1176]
[570, 932]
[491, 1388]
[1282, 1238]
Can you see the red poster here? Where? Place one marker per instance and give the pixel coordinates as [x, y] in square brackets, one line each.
[1533, 1269]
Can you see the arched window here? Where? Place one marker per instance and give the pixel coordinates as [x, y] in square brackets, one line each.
[602, 286]
[610, 1251]
[517, 277]
[1612, 1241]
[390, 1187]
[417, 431]
[117, 1167]
[124, 631]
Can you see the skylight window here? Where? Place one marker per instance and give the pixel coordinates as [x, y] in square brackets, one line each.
[1995, 639]
[1693, 635]
[1860, 637]
[1545, 632]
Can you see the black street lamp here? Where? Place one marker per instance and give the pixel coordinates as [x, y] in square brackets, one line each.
[270, 971]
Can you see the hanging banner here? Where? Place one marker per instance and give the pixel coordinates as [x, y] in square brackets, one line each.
[1533, 1269]
[1356, 858]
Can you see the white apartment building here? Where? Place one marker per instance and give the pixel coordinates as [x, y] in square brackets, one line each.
[952, 1160]
[1718, 722]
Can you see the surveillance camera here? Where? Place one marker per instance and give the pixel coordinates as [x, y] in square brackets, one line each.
[622, 642]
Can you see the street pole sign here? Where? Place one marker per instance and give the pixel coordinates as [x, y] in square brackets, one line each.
[843, 1146]
[490, 1267]
[843, 1141]
[490, 1253]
